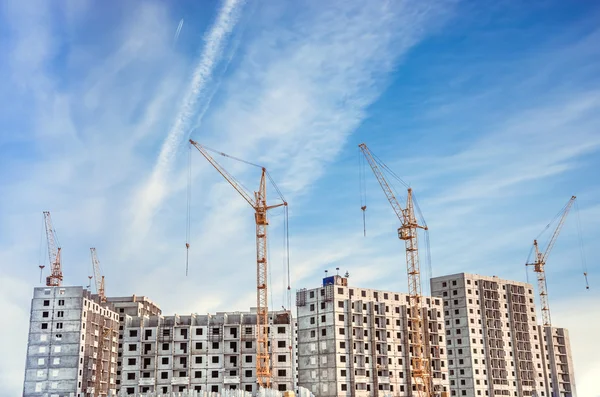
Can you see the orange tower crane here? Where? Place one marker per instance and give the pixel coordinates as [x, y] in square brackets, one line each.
[258, 202]
[540, 262]
[97, 277]
[420, 373]
[56, 276]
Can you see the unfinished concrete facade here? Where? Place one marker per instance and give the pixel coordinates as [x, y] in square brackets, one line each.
[558, 362]
[203, 352]
[72, 347]
[354, 341]
[495, 346]
[130, 306]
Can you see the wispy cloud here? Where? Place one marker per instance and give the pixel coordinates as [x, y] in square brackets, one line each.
[307, 85]
[154, 191]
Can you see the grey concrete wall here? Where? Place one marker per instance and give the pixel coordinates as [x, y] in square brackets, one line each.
[63, 338]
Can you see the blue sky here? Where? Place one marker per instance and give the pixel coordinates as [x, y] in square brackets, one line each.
[490, 110]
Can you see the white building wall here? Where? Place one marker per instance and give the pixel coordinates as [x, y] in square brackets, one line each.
[354, 341]
[493, 341]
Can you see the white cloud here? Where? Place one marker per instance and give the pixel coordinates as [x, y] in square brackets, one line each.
[307, 85]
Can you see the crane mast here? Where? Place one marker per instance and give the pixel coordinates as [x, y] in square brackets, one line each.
[258, 202]
[101, 369]
[97, 277]
[540, 262]
[106, 331]
[56, 275]
[420, 372]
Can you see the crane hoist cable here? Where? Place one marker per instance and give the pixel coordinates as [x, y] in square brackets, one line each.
[429, 274]
[285, 264]
[189, 214]
[362, 190]
[581, 248]
[287, 258]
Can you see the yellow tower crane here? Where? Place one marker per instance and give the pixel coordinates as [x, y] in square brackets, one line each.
[258, 202]
[56, 276]
[540, 262]
[99, 279]
[420, 373]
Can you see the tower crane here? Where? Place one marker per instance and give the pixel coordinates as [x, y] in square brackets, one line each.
[56, 276]
[420, 372]
[540, 262]
[258, 201]
[97, 277]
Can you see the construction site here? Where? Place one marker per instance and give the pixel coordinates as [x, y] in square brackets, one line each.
[474, 335]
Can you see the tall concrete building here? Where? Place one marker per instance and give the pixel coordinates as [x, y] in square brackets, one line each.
[203, 352]
[495, 346]
[354, 341]
[72, 346]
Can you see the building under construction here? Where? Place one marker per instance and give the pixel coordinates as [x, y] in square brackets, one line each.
[209, 352]
[130, 306]
[355, 341]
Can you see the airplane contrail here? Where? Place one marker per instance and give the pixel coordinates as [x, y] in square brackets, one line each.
[154, 191]
[178, 30]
